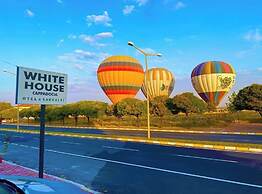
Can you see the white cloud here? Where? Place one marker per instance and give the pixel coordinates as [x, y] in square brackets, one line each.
[103, 19]
[60, 42]
[29, 13]
[82, 58]
[253, 36]
[93, 39]
[259, 69]
[169, 40]
[104, 35]
[79, 66]
[149, 50]
[180, 5]
[142, 2]
[72, 36]
[128, 9]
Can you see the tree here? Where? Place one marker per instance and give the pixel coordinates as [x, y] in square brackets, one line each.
[186, 103]
[129, 106]
[158, 106]
[4, 106]
[109, 110]
[211, 107]
[62, 112]
[230, 103]
[248, 98]
[33, 111]
[88, 109]
[199, 105]
[120, 109]
[182, 104]
[10, 113]
[74, 111]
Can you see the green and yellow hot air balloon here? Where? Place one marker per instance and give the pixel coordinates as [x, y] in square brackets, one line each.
[120, 77]
[160, 82]
[212, 80]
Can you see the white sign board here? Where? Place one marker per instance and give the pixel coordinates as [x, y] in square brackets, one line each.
[40, 87]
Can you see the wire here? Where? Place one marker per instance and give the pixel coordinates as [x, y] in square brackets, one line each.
[8, 63]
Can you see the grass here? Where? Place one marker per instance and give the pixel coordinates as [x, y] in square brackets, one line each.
[169, 121]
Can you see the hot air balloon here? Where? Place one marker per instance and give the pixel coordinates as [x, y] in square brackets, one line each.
[212, 80]
[120, 77]
[160, 82]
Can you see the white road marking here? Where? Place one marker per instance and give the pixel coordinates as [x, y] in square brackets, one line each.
[117, 148]
[150, 168]
[18, 136]
[205, 158]
[72, 143]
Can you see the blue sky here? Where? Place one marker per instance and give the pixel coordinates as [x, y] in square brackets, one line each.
[74, 36]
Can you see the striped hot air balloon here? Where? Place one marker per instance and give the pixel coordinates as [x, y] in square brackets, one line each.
[212, 80]
[120, 77]
[160, 82]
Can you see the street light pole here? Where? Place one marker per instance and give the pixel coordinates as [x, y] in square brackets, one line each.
[147, 97]
[146, 85]
[18, 119]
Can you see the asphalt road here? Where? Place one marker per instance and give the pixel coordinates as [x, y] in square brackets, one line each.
[119, 167]
[256, 139]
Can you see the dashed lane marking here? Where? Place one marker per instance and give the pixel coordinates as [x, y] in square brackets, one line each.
[153, 168]
[71, 143]
[205, 158]
[117, 148]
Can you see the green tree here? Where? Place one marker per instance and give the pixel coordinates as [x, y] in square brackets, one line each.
[109, 110]
[130, 106]
[62, 113]
[88, 109]
[211, 107]
[120, 109]
[4, 106]
[33, 111]
[199, 105]
[10, 113]
[248, 98]
[158, 106]
[74, 111]
[186, 103]
[230, 103]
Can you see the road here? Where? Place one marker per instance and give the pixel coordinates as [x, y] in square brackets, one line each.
[255, 139]
[121, 167]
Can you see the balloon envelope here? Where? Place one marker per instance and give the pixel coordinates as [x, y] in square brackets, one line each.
[212, 80]
[160, 82]
[120, 77]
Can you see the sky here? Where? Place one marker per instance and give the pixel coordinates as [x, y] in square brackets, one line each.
[75, 36]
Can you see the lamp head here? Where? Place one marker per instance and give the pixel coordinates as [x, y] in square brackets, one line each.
[159, 54]
[130, 43]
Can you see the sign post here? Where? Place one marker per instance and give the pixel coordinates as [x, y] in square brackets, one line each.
[44, 88]
[42, 142]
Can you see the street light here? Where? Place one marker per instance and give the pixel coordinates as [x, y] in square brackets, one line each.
[147, 95]
[17, 107]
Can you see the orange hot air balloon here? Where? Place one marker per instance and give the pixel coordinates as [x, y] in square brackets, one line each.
[120, 77]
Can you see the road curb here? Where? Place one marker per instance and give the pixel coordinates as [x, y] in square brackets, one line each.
[178, 143]
[54, 177]
[160, 130]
